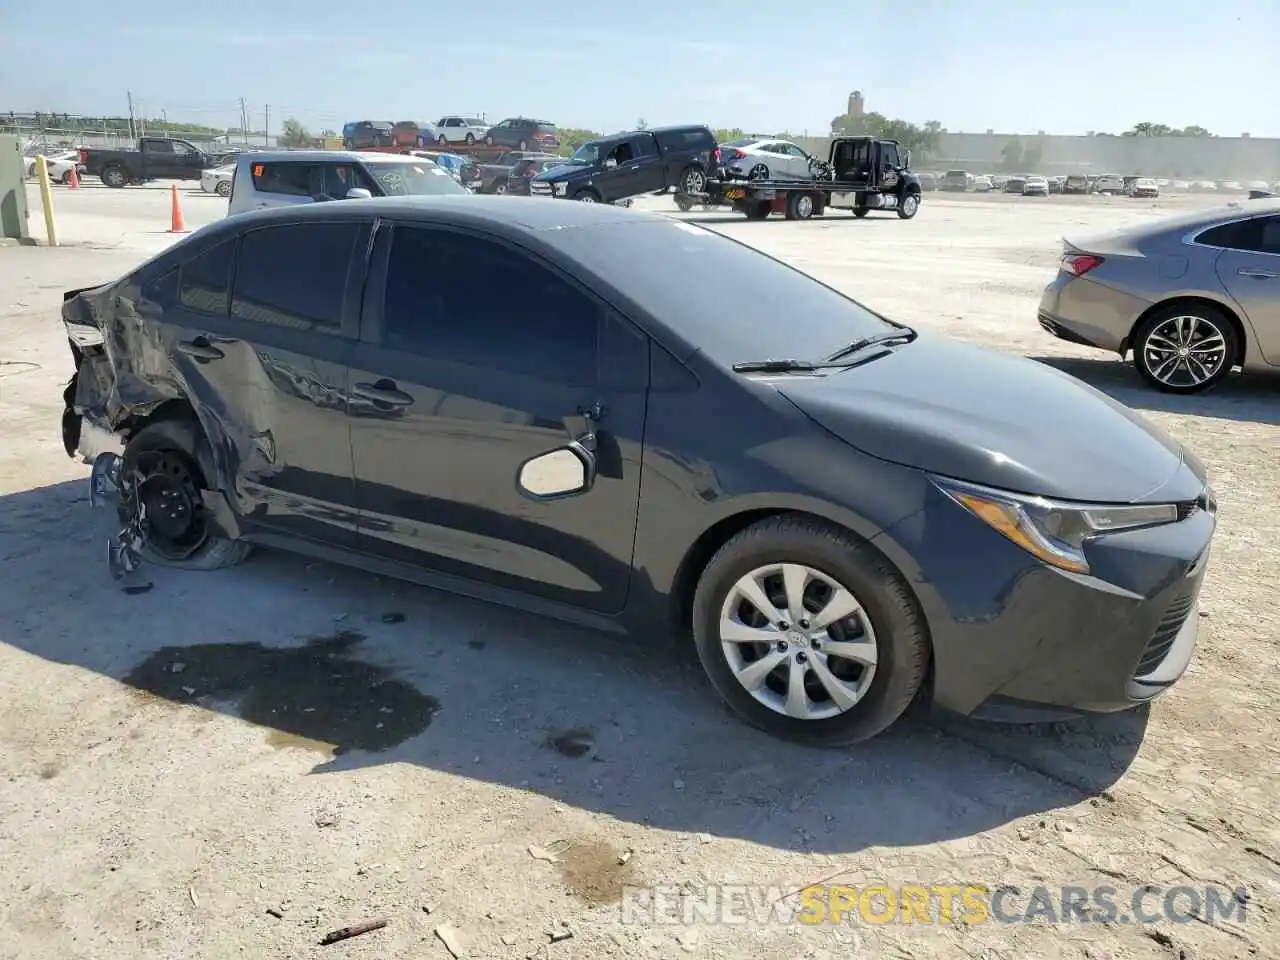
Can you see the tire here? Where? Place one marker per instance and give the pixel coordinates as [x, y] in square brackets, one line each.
[888, 620]
[488, 140]
[442, 140]
[759, 172]
[114, 177]
[470, 139]
[684, 203]
[524, 145]
[65, 179]
[909, 206]
[1203, 330]
[588, 195]
[800, 205]
[861, 212]
[692, 180]
[499, 187]
[758, 209]
[178, 449]
[223, 188]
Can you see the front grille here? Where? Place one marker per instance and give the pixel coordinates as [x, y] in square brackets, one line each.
[540, 189]
[1166, 632]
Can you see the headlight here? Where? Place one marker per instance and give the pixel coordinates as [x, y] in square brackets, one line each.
[1052, 530]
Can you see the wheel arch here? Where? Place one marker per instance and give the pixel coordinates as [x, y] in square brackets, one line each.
[700, 552]
[1232, 315]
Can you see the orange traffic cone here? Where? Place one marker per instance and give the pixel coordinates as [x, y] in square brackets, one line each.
[73, 179]
[177, 224]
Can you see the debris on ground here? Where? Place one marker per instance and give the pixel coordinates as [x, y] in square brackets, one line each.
[355, 930]
[275, 912]
[558, 935]
[191, 892]
[451, 939]
[542, 853]
[625, 856]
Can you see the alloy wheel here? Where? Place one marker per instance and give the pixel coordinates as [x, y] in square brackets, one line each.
[798, 641]
[1184, 351]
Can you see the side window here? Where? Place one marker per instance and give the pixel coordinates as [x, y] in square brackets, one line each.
[206, 278]
[1270, 235]
[1244, 235]
[181, 149]
[290, 179]
[460, 298]
[163, 290]
[295, 275]
[160, 147]
[890, 153]
[623, 153]
[646, 147]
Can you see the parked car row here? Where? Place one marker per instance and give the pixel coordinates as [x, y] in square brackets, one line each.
[961, 181]
[516, 133]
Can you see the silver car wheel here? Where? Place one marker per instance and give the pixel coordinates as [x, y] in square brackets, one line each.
[804, 207]
[798, 641]
[1184, 351]
[695, 181]
[585, 198]
[759, 172]
[909, 204]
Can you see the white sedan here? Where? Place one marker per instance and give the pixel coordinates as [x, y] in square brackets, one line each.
[218, 180]
[1035, 187]
[60, 166]
[756, 158]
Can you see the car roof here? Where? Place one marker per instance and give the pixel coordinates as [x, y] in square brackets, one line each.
[312, 156]
[1182, 224]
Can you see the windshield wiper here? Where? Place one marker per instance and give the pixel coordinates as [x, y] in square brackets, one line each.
[776, 366]
[904, 335]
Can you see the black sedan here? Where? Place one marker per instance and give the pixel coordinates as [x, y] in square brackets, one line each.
[513, 400]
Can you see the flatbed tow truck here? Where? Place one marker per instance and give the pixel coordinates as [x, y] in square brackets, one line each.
[860, 174]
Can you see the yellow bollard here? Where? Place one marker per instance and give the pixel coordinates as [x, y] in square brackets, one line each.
[46, 199]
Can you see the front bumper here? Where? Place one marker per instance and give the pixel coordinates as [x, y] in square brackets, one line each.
[1016, 639]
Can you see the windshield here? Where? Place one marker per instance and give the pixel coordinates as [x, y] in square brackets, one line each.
[588, 153]
[412, 179]
[769, 311]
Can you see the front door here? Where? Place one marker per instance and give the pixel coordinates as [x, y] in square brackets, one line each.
[266, 356]
[475, 358]
[890, 167]
[1250, 270]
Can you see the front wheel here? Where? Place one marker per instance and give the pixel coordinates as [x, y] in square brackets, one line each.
[860, 212]
[909, 206]
[223, 189]
[800, 206]
[808, 633]
[1185, 349]
[172, 462]
[758, 209]
[500, 187]
[471, 139]
[588, 196]
[524, 145]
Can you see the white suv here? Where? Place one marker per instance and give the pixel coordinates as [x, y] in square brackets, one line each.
[461, 129]
[314, 176]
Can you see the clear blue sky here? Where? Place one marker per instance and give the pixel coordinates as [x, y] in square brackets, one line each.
[1063, 67]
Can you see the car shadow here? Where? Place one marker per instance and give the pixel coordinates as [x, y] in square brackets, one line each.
[1243, 398]
[360, 671]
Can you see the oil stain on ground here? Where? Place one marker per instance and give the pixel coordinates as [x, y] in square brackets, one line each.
[591, 871]
[314, 696]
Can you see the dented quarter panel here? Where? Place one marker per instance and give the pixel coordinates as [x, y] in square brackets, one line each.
[273, 407]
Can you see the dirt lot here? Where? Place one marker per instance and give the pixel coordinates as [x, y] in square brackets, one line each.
[238, 762]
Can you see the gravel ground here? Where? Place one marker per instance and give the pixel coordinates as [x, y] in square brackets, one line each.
[239, 762]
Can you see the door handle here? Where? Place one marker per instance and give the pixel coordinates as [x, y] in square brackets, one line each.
[200, 349]
[1257, 273]
[384, 392]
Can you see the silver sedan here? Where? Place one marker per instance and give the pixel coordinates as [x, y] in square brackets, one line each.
[1192, 296]
[758, 158]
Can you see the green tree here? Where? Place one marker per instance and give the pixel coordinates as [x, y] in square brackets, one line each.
[571, 138]
[1146, 129]
[1011, 156]
[294, 134]
[920, 140]
[729, 133]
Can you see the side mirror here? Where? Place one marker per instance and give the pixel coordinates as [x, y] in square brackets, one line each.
[359, 193]
[906, 161]
[610, 163]
[563, 472]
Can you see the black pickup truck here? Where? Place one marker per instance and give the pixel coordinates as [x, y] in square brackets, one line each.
[629, 164]
[861, 174]
[154, 158]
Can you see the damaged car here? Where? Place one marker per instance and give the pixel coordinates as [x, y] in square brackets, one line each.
[509, 399]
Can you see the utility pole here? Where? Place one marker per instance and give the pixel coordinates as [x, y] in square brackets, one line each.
[164, 120]
[133, 131]
[244, 122]
[266, 125]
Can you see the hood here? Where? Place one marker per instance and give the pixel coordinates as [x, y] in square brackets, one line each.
[566, 172]
[997, 420]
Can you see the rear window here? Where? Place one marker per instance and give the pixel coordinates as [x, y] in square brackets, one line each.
[640, 258]
[545, 127]
[291, 179]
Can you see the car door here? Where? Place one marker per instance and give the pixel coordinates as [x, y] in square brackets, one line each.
[621, 179]
[476, 357]
[263, 327]
[186, 162]
[1249, 267]
[157, 158]
[649, 165]
[890, 165]
[282, 183]
[503, 134]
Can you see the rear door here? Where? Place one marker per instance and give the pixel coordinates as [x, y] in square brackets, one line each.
[476, 357]
[1249, 267]
[281, 183]
[263, 330]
